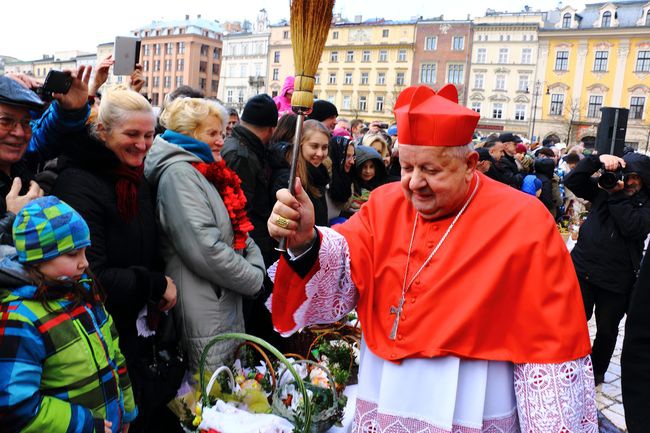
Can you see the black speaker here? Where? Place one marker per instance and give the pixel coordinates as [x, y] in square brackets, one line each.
[611, 131]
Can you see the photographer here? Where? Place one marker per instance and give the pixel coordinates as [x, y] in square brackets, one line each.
[610, 244]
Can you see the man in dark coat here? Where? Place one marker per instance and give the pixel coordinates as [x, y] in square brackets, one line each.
[507, 164]
[608, 253]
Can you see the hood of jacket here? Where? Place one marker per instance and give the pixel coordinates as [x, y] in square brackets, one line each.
[162, 155]
[288, 85]
[278, 155]
[14, 281]
[545, 166]
[337, 151]
[367, 153]
[640, 164]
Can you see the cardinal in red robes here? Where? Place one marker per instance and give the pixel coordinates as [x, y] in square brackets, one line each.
[470, 307]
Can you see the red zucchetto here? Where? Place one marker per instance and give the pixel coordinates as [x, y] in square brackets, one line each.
[427, 118]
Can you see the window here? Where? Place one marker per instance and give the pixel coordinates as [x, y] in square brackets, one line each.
[203, 67]
[384, 33]
[167, 82]
[637, 104]
[399, 79]
[180, 47]
[497, 110]
[349, 56]
[335, 35]
[154, 99]
[600, 62]
[276, 57]
[455, 74]
[156, 49]
[145, 66]
[428, 73]
[231, 71]
[229, 94]
[520, 112]
[476, 106]
[285, 34]
[503, 55]
[500, 82]
[334, 56]
[317, 79]
[348, 78]
[383, 56]
[346, 102]
[478, 81]
[523, 83]
[156, 81]
[240, 95]
[156, 65]
[566, 21]
[643, 61]
[330, 99]
[647, 18]
[168, 65]
[276, 74]
[214, 85]
[180, 64]
[204, 50]
[168, 48]
[557, 104]
[527, 56]
[146, 50]
[202, 82]
[562, 61]
[607, 19]
[364, 78]
[430, 43]
[215, 53]
[363, 104]
[332, 78]
[481, 55]
[365, 56]
[379, 103]
[179, 81]
[458, 43]
[215, 69]
[595, 102]
[401, 55]
[381, 78]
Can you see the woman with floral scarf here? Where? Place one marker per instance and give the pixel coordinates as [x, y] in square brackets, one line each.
[200, 208]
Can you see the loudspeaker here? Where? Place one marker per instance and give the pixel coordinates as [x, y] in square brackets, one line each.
[611, 130]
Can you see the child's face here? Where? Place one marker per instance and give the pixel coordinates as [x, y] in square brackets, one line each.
[367, 171]
[69, 265]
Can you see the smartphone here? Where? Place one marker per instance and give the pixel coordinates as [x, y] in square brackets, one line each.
[57, 82]
[126, 55]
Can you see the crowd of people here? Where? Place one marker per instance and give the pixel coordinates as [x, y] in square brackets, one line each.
[132, 236]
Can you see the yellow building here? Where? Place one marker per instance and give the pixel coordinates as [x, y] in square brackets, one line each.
[280, 60]
[599, 57]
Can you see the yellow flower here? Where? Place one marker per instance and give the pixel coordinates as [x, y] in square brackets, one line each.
[198, 409]
[197, 421]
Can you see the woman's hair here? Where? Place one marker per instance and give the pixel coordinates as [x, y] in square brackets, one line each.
[285, 130]
[369, 139]
[184, 115]
[309, 128]
[48, 289]
[117, 106]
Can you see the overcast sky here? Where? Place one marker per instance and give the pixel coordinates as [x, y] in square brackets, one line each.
[29, 29]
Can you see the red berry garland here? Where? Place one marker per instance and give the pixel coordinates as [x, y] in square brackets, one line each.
[229, 186]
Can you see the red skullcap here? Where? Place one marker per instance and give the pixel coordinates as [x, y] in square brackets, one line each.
[427, 118]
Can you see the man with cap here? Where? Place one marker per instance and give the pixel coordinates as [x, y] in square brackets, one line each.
[462, 332]
[508, 163]
[25, 143]
[325, 112]
[608, 253]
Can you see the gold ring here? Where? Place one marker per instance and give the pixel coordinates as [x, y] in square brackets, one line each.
[282, 222]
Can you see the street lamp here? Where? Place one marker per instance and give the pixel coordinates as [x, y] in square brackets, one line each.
[536, 93]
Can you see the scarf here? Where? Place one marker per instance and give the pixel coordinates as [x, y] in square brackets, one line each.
[126, 190]
[192, 145]
[228, 185]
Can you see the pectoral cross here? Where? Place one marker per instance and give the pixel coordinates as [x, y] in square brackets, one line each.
[397, 311]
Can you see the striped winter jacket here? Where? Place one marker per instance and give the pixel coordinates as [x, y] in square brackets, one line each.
[60, 371]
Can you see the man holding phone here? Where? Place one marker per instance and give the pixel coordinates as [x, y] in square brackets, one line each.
[26, 140]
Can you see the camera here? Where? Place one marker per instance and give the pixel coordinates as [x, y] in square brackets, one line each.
[609, 179]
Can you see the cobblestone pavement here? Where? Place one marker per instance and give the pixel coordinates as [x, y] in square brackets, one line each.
[609, 399]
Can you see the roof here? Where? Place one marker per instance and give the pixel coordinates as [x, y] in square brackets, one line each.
[202, 23]
[628, 13]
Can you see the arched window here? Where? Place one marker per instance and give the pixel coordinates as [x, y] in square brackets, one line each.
[607, 19]
[647, 18]
[566, 21]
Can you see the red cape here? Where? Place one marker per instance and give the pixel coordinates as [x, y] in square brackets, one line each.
[502, 286]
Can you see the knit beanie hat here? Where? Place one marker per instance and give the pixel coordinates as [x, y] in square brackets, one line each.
[47, 228]
[260, 110]
[323, 110]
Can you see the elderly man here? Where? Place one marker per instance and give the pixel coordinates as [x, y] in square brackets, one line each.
[461, 330]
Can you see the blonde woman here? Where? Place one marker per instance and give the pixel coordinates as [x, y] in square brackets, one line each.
[379, 143]
[200, 208]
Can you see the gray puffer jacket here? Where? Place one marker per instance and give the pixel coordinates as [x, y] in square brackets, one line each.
[197, 239]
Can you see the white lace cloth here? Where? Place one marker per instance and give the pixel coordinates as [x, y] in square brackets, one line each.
[448, 395]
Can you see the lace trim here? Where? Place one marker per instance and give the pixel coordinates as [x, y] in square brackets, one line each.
[556, 398]
[367, 419]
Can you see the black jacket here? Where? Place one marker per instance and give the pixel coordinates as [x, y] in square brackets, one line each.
[245, 153]
[544, 168]
[509, 171]
[610, 243]
[123, 255]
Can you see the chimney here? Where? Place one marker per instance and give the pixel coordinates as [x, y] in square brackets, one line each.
[187, 17]
[357, 18]
[198, 16]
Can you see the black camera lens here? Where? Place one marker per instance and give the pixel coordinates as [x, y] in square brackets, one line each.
[609, 179]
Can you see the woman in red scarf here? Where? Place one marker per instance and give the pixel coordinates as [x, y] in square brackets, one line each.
[201, 213]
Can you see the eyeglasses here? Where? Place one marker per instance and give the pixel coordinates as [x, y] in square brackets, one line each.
[9, 123]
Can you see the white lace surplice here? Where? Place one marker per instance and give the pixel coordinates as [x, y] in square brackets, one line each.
[448, 395]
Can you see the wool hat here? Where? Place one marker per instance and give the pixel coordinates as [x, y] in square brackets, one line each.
[427, 118]
[323, 110]
[521, 148]
[484, 155]
[392, 131]
[507, 137]
[47, 228]
[260, 110]
[12, 93]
